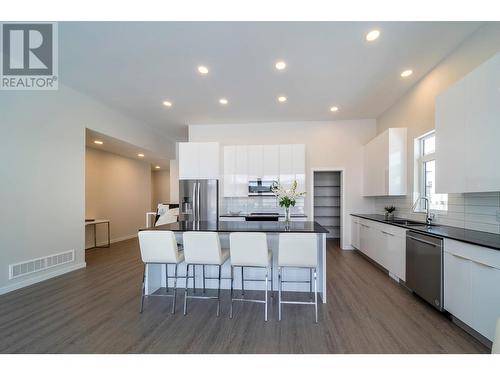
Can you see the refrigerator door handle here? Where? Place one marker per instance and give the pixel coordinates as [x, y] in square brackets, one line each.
[194, 201]
[199, 199]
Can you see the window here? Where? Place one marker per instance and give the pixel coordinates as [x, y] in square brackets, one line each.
[425, 177]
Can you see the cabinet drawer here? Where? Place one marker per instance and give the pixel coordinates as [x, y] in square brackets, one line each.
[483, 255]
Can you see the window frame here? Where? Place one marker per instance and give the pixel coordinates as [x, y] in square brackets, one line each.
[420, 160]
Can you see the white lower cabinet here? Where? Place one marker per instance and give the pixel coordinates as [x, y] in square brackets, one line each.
[472, 285]
[384, 243]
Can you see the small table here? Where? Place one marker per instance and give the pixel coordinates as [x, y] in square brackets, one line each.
[95, 223]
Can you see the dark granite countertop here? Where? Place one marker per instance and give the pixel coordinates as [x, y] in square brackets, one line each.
[249, 214]
[474, 237]
[244, 226]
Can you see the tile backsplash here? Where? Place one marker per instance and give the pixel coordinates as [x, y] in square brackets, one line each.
[258, 204]
[477, 211]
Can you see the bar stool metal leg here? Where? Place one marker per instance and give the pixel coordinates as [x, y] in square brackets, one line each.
[242, 282]
[166, 276]
[143, 288]
[231, 306]
[218, 293]
[186, 289]
[203, 272]
[175, 289]
[279, 293]
[194, 278]
[310, 283]
[265, 303]
[316, 294]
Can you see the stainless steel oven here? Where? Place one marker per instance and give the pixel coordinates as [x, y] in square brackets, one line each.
[260, 187]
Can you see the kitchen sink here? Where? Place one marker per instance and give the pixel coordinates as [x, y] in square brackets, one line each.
[411, 223]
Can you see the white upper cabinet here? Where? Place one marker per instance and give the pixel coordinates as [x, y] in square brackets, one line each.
[199, 160]
[255, 162]
[384, 170]
[266, 162]
[468, 132]
[235, 171]
[271, 161]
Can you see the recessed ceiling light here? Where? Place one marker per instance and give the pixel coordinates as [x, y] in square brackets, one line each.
[282, 99]
[98, 142]
[280, 65]
[203, 69]
[372, 35]
[140, 155]
[407, 73]
[166, 103]
[157, 167]
[334, 109]
[223, 101]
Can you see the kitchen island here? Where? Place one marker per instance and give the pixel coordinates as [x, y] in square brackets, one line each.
[155, 278]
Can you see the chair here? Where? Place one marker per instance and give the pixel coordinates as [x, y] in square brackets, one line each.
[249, 250]
[165, 214]
[203, 248]
[298, 250]
[159, 247]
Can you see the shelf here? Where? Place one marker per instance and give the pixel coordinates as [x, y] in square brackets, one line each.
[326, 186]
[326, 205]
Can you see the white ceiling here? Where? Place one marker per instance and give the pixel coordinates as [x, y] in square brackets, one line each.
[135, 66]
[125, 149]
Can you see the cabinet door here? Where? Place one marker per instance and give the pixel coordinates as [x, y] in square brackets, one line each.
[394, 254]
[209, 156]
[189, 166]
[241, 179]
[229, 171]
[299, 166]
[286, 165]
[271, 162]
[255, 162]
[482, 128]
[450, 139]
[354, 233]
[485, 286]
[364, 238]
[457, 287]
[376, 166]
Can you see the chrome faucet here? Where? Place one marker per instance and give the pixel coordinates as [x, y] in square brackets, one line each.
[428, 215]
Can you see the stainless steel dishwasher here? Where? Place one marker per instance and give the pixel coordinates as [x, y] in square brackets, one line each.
[424, 267]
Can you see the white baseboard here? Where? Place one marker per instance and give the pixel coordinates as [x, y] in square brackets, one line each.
[43, 277]
[113, 240]
[347, 248]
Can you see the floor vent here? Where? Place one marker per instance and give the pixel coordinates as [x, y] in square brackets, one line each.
[40, 264]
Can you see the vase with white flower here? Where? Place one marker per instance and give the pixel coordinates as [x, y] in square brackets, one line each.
[287, 197]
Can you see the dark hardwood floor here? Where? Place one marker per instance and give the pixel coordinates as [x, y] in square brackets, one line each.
[95, 310]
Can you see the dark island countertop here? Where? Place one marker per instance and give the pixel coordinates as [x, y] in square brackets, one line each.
[474, 237]
[243, 226]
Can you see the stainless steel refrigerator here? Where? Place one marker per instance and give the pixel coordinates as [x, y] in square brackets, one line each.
[199, 200]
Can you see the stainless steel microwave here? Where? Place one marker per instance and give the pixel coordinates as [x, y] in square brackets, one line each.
[260, 187]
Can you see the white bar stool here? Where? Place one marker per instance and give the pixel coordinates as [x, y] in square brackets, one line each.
[159, 247]
[298, 250]
[250, 250]
[203, 248]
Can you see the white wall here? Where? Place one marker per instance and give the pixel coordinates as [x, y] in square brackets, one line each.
[160, 188]
[415, 111]
[42, 173]
[116, 188]
[174, 181]
[336, 144]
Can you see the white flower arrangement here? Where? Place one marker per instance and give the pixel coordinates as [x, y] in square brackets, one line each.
[287, 197]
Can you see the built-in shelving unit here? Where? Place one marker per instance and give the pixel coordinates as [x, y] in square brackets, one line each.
[326, 202]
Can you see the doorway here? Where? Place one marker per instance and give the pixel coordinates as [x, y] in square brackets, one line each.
[327, 201]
